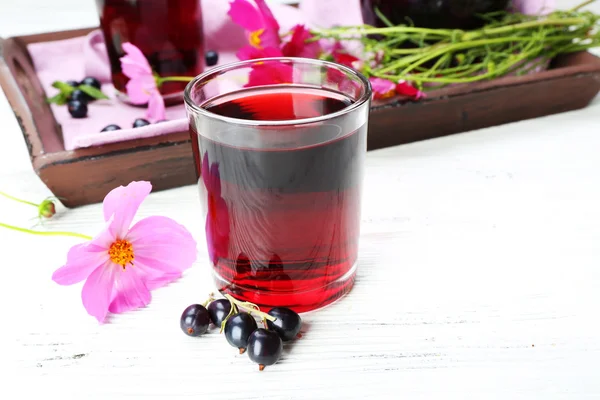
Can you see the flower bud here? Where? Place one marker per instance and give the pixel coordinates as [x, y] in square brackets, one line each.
[47, 209]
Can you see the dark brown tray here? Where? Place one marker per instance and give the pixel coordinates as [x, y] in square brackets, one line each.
[84, 176]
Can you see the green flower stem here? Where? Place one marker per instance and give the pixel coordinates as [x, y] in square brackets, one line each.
[585, 3]
[510, 42]
[57, 233]
[8, 196]
[524, 25]
[161, 80]
[369, 30]
[451, 47]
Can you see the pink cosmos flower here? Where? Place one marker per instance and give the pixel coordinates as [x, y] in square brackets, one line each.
[217, 219]
[298, 45]
[270, 74]
[142, 88]
[121, 264]
[251, 53]
[382, 88]
[403, 88]
[342, 56]
[260, 24]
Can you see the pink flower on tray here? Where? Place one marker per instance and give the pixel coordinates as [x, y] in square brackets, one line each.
[342, 56]
[142, 87]
[251, 53]
[261, 26]
[382, 88]
[271, 73]
[403, 88]
[299, 44]
[122, 264]
[385, 89]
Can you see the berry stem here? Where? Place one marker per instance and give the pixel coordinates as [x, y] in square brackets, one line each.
[8, 196]
[57, 233]
[250, 307]
[209, 300]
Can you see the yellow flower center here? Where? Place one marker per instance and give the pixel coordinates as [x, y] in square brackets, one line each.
[255, 38]
[121, 252]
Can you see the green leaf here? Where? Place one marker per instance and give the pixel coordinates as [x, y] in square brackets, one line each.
[60, 99]
[92, 91]
[63, 87]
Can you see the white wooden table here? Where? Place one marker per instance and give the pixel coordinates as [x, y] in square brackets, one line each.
[479, 277]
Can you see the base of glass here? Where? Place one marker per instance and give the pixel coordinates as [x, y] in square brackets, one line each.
[299, 301]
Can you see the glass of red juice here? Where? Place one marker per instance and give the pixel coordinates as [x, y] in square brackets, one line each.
[279, 147]
[168, 32]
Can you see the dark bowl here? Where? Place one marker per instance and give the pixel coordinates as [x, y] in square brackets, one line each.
[445, 14]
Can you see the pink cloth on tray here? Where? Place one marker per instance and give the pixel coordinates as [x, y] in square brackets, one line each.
[79, 57]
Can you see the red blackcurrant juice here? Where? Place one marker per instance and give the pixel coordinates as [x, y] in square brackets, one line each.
[282, 225]
[168, 32]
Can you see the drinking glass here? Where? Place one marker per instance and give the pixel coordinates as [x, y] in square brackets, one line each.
[168, 32]
[279, 147]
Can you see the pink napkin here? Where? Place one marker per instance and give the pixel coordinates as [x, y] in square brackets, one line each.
[79, 57]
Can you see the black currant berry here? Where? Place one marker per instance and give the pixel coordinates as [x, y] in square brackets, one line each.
[80, 95]
[218, 310]
[264, 347]
[111, 127]
[194, 320]
[212, 58]
[77, 109]
[287, 325]
[238, 328]
[91, 81]
[72, 83]
[138, 123]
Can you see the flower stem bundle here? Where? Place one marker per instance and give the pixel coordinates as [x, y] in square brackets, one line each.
[509, 43]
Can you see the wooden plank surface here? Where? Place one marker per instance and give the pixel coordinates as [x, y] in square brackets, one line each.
[478, 279]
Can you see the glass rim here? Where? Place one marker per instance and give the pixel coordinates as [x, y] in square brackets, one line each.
[365, 97]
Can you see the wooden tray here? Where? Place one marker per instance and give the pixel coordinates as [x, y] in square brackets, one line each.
[84, 176]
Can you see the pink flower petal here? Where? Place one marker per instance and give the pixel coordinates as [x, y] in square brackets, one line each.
[270, 37]
[341, 56]
[270, 74]
[103, 240]
[156, 107]
[154, 277]
[153, 269]
[134, 64]
[382, 88]
[122, 203]
[163, 244]
[298, 46]
[133, 70]
[404, 88]
[130, 291]
[140, 89]
[81, 262]
[245, 15]
[97, 290]
[160, 281]
[251, 53]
